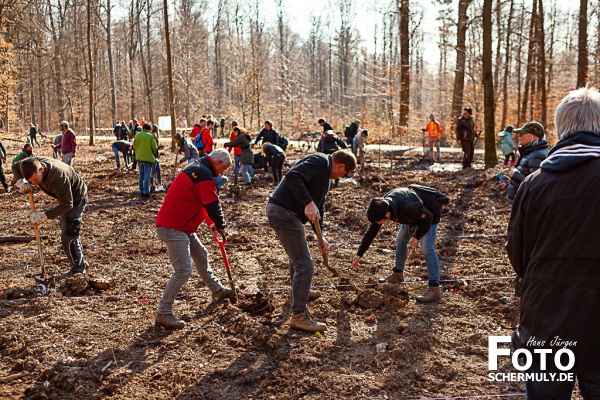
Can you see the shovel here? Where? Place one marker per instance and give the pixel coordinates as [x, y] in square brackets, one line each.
[321, 246]
[222, 244]
[37, 235]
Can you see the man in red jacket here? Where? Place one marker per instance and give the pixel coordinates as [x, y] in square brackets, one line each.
[191, 200]
[68, 144]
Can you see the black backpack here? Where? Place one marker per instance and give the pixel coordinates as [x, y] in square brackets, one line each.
[282, 142]
[431, 192]
[330, 138]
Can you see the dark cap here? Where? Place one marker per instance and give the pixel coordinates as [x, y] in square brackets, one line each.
[468, 109]
[535, 128]
[234, 122]
[509, 128]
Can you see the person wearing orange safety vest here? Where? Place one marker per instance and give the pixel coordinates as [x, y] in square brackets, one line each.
[434, 132]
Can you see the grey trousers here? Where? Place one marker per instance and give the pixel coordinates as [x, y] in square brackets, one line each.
[291, 234]
[70, 228]
[184, 248]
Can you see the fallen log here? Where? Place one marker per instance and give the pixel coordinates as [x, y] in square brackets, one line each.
[17, 239]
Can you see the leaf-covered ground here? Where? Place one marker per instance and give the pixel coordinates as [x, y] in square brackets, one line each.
[85, 343]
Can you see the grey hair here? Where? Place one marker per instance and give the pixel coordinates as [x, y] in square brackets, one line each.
[221, 155]
[578, 111]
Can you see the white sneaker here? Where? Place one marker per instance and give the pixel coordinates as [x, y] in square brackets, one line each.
[160, 189]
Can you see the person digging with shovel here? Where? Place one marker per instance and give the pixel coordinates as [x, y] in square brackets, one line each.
[60, 181]
[300, 197]
[191, 200]
[419, 209]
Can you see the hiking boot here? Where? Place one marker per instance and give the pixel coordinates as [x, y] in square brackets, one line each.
[160, 189]
[433, 293]
[225, 293]
[314, 295]
[253, 181]
[395, 278]
[305, 322]
[169, 321]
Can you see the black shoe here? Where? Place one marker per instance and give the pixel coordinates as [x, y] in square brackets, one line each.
[253, 180]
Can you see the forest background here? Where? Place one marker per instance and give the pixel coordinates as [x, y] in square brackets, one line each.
[94, 62]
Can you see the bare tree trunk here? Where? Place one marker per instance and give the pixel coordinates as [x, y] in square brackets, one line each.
[169, 71]
[404, 62]
[91, 74]
[506, 66]
[529, 73]
[542, 64]
[149, 57]
[490, 157]
[41, 93]
[582, 57]
[459, 77]
[111, 65]
[147, 90]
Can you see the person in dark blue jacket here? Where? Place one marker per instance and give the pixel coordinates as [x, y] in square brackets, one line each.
[533, 150]
[325, 125]
[419, 211]
[300, 197]
[275, 157]
[267, 134]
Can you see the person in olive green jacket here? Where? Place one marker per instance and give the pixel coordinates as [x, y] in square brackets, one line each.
[61, 182]
[145, 147]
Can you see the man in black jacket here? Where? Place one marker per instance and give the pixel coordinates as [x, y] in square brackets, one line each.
[300, 197]
[325, 125]
[465, 135]
[553, 244]
[419, 211]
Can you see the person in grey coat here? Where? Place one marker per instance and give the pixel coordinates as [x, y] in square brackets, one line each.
[247, 157]
[185, 145]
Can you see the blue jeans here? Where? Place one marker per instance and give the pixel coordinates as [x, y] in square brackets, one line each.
[144, 180]
[182, 250]
[427, 248]
[291, 234]
[589, 384]
[245, 172]
[125, 157]
[156, 168]
[220, 181]
[236, 169]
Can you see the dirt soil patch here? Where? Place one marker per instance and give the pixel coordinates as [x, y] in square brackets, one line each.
[85, 341]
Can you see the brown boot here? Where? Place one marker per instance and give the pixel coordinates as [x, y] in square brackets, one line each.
[314, 295]
[395, 278]
[305, 322]
[169, 321]
[433, 293]
[224, 293]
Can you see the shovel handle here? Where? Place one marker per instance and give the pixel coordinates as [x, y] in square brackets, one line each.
[226, 262]
[321, 246]
[37, 234]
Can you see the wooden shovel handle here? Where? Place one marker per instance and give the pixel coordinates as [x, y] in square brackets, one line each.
[37, 235]
[321, 246]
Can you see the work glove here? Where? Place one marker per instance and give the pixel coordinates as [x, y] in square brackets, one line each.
[38, 217]
[24, 186]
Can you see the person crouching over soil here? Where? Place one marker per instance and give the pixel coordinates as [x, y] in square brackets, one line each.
[275, 157]
[60, 181]
[185, 146]
[242, 140]
[300, 197]
[419, 209]
[191, 200]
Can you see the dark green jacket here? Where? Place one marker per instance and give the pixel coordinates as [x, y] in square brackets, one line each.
[60, 181]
